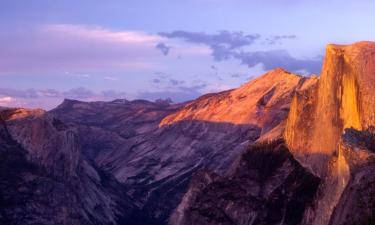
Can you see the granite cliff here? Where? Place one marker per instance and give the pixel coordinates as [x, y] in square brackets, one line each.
[44, 178]
[342, 101]
[329, 133]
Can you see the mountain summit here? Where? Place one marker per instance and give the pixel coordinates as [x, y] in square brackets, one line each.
[328, 141]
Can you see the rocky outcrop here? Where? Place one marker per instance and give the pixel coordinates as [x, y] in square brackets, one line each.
[266, 186]
[44, 178]
[103, 126]
[328, 135]
[357, 202]
[263, 102]
[155, 148]
[343, 98]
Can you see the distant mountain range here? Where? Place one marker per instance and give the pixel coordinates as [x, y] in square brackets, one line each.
[281, 149]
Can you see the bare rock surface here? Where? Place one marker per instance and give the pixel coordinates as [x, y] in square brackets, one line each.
[44, 178]
[357, 202]
[267, 186]
[154, 148]
[344, 98]
[329, 137]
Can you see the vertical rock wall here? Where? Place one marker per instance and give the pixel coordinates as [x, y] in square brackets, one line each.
[343, 98]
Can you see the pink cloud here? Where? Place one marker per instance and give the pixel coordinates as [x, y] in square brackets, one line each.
[102, 34]
[79, 49]
[5, 101]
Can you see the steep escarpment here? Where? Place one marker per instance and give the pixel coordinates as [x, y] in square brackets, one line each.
[357, 202]
[344, 98]
[165, 144]
[329, 139]
[266, 186]
[44, 179]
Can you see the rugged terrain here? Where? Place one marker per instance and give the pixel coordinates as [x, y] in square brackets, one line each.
[343, 99]
[329, 132]
[155, 148]
[44, 178]
[281, 149]
[267, 186]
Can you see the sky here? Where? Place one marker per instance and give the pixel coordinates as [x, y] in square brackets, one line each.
[95, 50]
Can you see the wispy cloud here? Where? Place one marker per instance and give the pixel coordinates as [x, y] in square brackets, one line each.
[77, 48]
[163, 48]
[279, 58]
[228, 39]
[5, 101]
[167, 87]
[221, 44]
[102, 34]
[110, 78]
[277, 39]
[227, 45]
[82, 49]
[78, 74]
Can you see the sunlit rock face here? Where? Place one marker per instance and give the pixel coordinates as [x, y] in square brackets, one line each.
[329, 131]
[48, 141]
[264, 186]
[155, 148]
[263, 102]
[343, 98]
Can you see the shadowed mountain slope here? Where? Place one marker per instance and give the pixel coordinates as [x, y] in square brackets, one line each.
[155, 148]
[266, 186]
[44, 178]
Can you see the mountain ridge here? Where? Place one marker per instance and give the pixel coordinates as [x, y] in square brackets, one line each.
[160, 158]
[324, 130]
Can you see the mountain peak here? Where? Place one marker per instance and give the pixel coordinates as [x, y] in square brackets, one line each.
[257, 102]
[280, 70]
[273, 76]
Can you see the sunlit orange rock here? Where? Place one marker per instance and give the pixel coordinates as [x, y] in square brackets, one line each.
[263, 102]
[344, 98]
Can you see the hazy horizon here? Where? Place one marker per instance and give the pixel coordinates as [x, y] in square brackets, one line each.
[91, 50]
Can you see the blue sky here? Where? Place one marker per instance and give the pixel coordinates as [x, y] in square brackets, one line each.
[102, 50]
